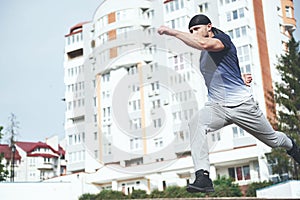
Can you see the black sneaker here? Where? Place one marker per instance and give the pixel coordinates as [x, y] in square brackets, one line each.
[202, 183]
[294, 152]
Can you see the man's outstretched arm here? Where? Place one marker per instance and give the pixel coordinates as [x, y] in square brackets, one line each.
[193, 40]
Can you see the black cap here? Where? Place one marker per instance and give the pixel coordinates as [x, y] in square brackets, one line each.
[199, 20]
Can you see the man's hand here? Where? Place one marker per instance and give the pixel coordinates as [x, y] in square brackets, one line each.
[247, 79]
[166, 30]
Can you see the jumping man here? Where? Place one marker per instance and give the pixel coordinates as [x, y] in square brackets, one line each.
[229, 99]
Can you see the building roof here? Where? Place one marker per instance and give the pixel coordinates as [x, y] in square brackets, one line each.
[7, 153]
[110, 172]
[76, 29]
[29, 147]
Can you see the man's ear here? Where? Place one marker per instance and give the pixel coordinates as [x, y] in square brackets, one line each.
[209, 27]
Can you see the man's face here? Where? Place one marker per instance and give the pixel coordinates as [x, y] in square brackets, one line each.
[201, 30]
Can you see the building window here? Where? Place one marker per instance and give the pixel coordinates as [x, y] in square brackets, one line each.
[246, 69]
[174, 5]
[95, 118]
[216, 136]
[240, 173]
[238, 32]
[158, 142]
[95, 101]
[107, 148]
[288, 12]
[135, 123]
[157, 123]
[203, 7]
[135, 143]
[156, 104]
[178, 62]
[132, 70]
[106, 77]
[149, 14]
[235, 14]
[70, 139]
[238, 132]
[181, 136]
[243, 53]
[155, 86]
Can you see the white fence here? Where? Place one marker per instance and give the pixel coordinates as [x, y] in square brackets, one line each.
[37, 191]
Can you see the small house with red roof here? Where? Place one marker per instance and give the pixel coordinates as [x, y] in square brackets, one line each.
[35, 161]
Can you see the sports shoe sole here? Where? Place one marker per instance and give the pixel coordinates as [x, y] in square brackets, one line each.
[193, 189]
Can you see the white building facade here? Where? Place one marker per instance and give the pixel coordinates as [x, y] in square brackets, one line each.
[130, 93]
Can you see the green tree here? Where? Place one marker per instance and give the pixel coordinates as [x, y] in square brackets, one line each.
[251, 191]
[138, 194]
[156, 194]
[87, 196]
[287, 96]
[3, 171]
[110, 194]
[224, 187]
[12, 132]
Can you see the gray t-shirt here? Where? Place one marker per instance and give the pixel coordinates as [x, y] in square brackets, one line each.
[222, 75]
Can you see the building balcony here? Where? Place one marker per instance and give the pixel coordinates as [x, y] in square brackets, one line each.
[182, 147]
[45, 166]
[290, 27]
[73, 47]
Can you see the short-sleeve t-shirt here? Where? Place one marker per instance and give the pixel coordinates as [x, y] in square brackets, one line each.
[222, 74]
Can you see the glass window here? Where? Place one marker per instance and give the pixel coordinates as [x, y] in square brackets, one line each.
[230, 33]
[242, 132]
[234, 14]
[246, 171]
[288, 12]
[248, 68]
[241, 13]
[237, 33]
[167, 8]
[181, 3]
[239, 173]
[228, 16]
[244, 31]
[235, 132]
[231, 172]
[218, 136]
[203, 7]
[176, 4]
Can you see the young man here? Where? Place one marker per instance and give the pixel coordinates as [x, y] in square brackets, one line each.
[229, 100]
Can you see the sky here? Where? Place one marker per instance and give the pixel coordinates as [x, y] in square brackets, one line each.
[31, 62]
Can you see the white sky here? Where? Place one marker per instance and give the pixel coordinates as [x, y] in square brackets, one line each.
[31, 61]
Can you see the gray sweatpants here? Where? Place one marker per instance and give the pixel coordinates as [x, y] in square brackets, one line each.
[248, 116]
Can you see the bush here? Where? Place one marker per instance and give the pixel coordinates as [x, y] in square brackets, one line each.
[110, 194]
[138, 194]
[251, 191]
[224, 187]
[87, 197]
[157, 194]
[174, 192]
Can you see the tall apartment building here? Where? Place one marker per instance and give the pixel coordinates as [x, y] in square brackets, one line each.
[130, 93]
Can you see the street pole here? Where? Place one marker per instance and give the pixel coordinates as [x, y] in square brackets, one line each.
[12, 165]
